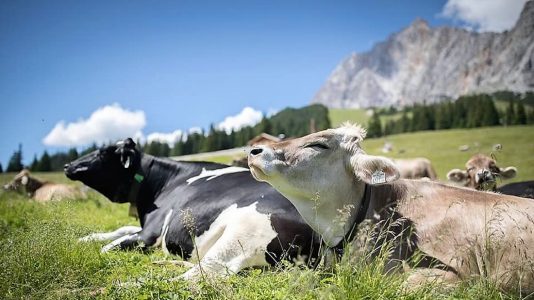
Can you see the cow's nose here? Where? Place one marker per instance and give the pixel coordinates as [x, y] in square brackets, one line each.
[485, 175]
[65, 167]
[256, 151]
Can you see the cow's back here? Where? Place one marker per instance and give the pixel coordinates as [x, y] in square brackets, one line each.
[475, 232]
[56, 192]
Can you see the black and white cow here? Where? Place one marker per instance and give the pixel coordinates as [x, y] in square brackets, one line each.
[213, 213]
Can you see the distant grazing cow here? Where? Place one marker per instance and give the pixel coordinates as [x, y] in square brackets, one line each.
[523, 189]
[416, 168]
[43, 190]
[460, 233]
[481, 173]
[209, 212]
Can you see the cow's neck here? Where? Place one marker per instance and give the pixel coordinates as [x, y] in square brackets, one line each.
[153, 177]
[333, 213]
[147, 182]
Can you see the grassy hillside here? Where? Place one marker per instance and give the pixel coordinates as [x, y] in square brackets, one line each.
[338, 116]
[40, 257]
[441, 147]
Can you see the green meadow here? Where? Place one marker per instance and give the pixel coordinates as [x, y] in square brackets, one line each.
[41, 258]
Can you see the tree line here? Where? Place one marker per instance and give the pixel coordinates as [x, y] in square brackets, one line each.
[289, 122]
[466, 112]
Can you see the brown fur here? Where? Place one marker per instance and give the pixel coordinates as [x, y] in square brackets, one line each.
[416, 168]
[473, 233]
[43, 191]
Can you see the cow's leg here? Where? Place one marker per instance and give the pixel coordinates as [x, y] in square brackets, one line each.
[113, 235]
[420, 276]
[125, 242]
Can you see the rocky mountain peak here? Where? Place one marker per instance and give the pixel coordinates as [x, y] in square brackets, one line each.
[421, 63]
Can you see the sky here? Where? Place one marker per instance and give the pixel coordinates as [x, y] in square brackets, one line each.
[76, 72]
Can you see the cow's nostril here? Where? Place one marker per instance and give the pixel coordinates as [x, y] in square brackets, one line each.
[256, 151]
[66, 166]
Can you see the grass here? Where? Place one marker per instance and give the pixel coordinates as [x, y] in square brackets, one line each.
[338, 116]
[40, 257]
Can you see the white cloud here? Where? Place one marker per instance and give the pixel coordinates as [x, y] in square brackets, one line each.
[486, 15]
[169, 138]
[108, 123]
[193, 130]
[247, 117]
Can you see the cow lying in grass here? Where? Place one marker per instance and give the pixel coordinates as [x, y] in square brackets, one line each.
[416, 168]
[212, 213]
[43, 191]
[460, 232]
[481, 173]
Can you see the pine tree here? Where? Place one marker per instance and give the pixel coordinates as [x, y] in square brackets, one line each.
[389, 128]
[72, 155]
[35, 164]
[404, 124]
[264, 126]
[509, 116]
[45, 164]
[520, 115]
[1, 169]
[490, 113]
[530, 117]
[15, 162]
[374, 127]
[177, 148]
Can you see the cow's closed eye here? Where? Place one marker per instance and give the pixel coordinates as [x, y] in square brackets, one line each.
[317, 146]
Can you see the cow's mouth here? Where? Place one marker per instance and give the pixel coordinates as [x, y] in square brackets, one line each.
[73, 172]
[257, 172]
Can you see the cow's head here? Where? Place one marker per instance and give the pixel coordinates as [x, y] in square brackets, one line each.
[327, 167]
[20, 180]
[109, 170]
[481, 173]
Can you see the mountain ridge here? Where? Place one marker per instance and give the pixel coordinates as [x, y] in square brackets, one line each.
[421, 63]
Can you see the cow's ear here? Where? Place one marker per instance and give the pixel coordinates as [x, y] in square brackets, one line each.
[129, 143]
[126, 152]
[457, 175]
[24, 180]
[507, 173]
[374, 169]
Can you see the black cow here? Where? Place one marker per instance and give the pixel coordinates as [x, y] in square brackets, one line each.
[236, 221]
[523, 189]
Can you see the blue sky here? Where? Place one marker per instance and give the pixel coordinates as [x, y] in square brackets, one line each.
[181, 64]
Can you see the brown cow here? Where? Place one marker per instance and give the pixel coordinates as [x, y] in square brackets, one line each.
[481, 173]
[461, 232]
[43, 191]
[415, 168]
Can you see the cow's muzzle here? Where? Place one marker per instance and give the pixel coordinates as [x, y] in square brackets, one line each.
[485, 180]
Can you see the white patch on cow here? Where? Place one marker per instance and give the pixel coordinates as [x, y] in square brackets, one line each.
[237, 239]
[164, 230]
[82, 169]
[24, 180]
[106, 236]
[210, 174]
